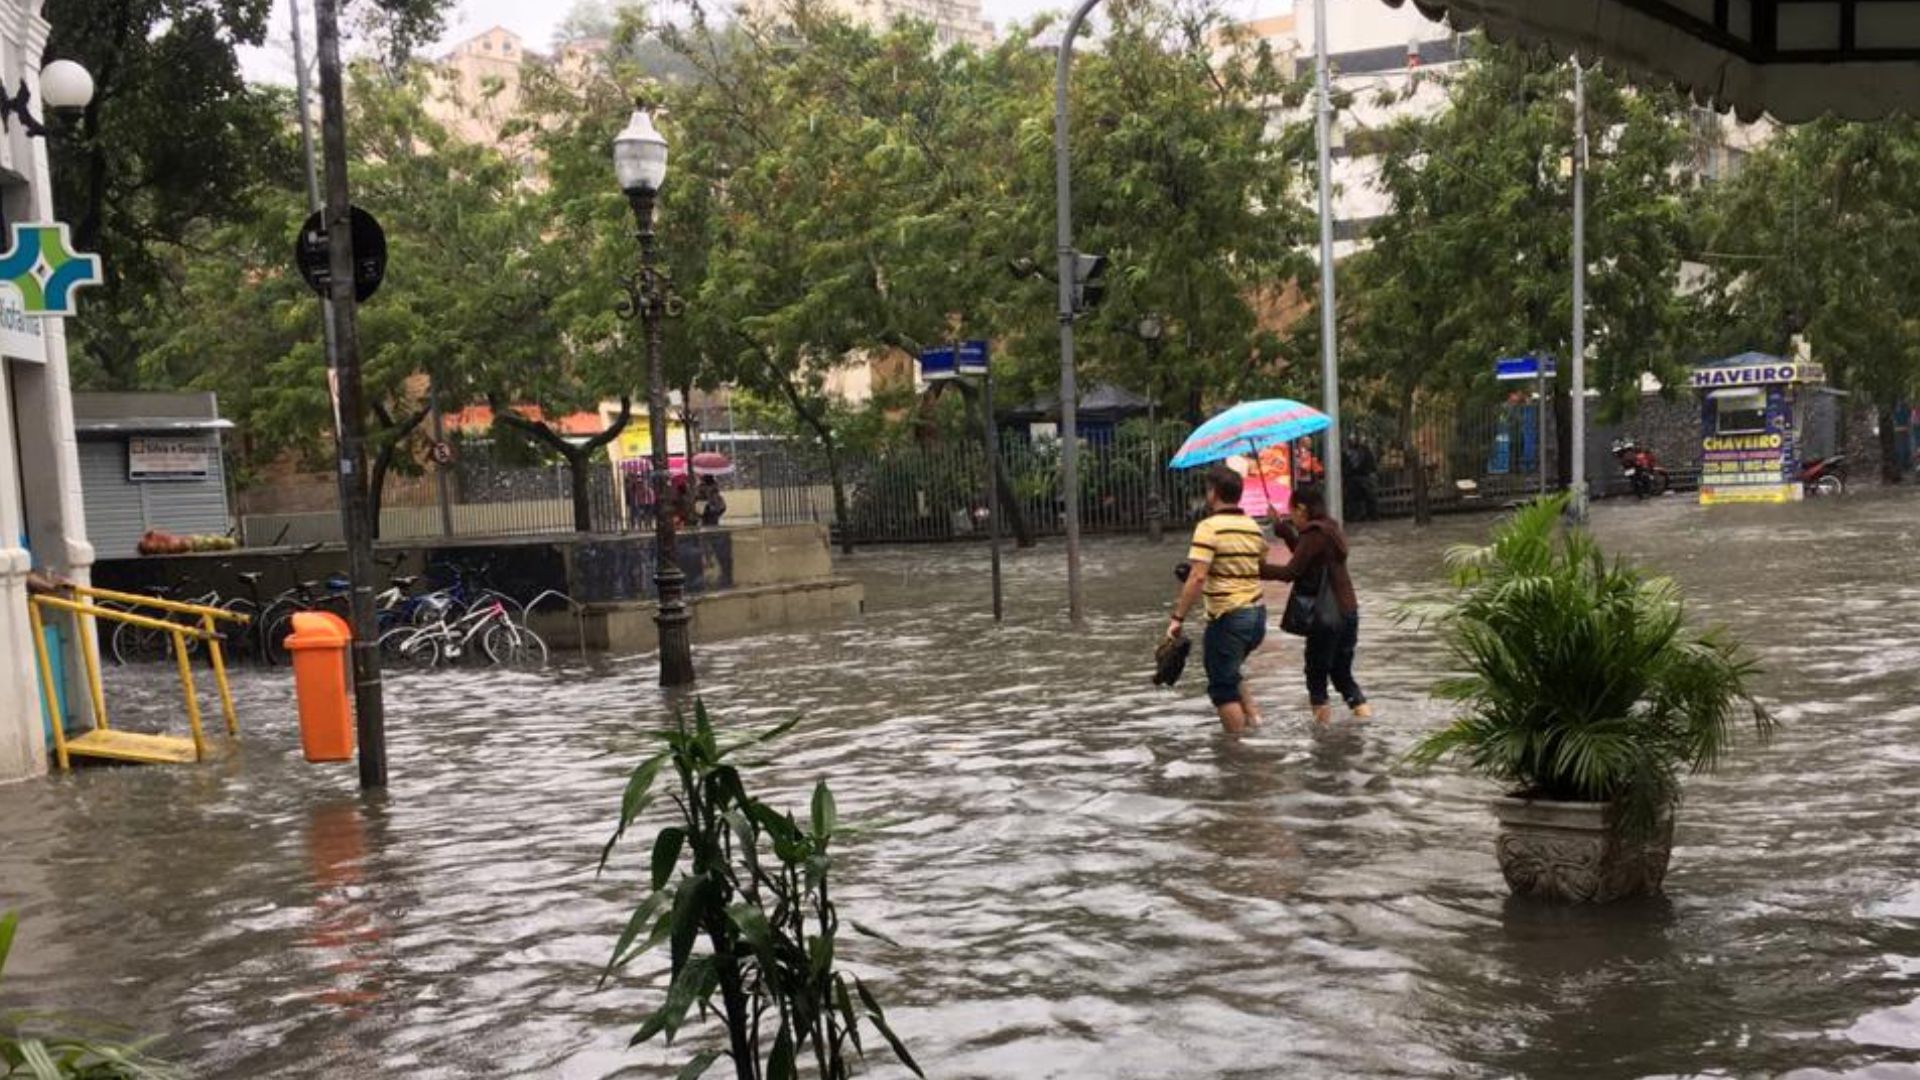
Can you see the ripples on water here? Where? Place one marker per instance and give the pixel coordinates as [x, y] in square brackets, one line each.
[1088, 881]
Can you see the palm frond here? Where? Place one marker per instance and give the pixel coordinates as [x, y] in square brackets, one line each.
[1579, 678]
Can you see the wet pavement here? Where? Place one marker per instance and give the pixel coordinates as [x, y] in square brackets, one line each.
[1085, 878]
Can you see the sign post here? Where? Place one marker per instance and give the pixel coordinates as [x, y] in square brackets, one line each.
[347, 276]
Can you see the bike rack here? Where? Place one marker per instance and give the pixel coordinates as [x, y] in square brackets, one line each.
[103, 741]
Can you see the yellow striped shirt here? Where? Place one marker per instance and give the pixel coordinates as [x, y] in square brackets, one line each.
[1234, 547]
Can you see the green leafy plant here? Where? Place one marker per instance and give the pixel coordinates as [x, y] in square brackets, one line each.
[29, 1048]
[1580, 679]
[753, 884]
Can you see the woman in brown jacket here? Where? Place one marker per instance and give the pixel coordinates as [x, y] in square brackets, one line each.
[1319, 547]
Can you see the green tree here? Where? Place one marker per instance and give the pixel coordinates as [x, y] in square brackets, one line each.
[454, 304]
[1821, 230]
[1184, 181]
[174, 142]
[1473, 259]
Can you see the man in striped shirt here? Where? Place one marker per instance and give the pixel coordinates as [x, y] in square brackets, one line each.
[1228, 549]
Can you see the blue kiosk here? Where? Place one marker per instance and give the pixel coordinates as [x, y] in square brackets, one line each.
[1754, 410]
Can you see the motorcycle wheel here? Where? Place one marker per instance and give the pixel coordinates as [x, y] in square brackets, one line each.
[1829, 485]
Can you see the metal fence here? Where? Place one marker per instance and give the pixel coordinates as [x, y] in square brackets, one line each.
[1474, 457]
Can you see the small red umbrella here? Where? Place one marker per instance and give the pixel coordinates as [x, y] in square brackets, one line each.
[712, 463]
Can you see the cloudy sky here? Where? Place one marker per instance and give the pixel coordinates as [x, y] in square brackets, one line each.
[534, 20]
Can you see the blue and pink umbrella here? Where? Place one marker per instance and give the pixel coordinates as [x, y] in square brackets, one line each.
[1249, 428]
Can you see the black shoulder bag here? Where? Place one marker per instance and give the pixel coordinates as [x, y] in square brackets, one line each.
[1311, 609]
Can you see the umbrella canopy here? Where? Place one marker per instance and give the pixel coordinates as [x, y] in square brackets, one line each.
[712, 463]
[1248, 428]
[1792, 59]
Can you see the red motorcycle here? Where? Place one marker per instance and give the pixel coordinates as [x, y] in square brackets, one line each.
[1643, 472]
[1824, 476]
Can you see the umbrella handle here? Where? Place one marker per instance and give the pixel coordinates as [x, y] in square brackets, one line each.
[1254, 453]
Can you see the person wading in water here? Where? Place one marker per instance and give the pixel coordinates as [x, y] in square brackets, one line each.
[1320, 553]
[1225, 559]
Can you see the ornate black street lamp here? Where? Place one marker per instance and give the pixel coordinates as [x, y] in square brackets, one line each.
[640, 164]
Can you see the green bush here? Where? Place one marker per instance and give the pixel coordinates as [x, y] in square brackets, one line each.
[753, 885]
[1579, 678]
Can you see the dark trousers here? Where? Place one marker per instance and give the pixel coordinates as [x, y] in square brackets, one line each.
[1330, 657]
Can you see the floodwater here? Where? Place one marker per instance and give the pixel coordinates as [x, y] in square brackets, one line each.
[1085, 879]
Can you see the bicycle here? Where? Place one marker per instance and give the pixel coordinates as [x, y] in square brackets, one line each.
[500, 638]
[133, 644]
[276, 619]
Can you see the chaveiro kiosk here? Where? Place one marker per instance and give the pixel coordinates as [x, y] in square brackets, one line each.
[1758, 416]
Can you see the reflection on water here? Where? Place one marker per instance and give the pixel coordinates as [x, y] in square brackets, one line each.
[1088, 881]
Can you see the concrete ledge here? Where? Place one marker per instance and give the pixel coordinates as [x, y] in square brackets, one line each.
[627, 626]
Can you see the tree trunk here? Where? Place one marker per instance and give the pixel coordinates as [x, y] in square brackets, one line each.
[1416, 469]
[1890, 470]
[582, 483]
[1013, 514]
[1563, 441]
[691, 425]
[824, 432]
[391, 440]
[579, 459]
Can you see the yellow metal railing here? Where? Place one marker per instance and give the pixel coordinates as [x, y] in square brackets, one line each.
[86, 614]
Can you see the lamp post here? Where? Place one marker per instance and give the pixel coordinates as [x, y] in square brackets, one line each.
[640, 164]
[1151, 331]
[1329, 326]
[1069, 258]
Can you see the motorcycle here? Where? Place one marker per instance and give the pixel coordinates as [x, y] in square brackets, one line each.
[1642, 470]
[1824, 476]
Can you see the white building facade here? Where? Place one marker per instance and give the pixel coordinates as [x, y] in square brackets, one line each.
[42, 523]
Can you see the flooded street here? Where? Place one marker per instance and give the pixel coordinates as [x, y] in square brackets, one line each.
[1085, 878]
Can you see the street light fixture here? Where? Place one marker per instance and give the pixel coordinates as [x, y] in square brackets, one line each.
[640, 165]
[65, 86]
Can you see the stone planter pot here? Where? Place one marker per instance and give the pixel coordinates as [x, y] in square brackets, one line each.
[1568, 851]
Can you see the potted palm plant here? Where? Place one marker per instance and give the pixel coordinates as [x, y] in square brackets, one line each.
[1585, 694]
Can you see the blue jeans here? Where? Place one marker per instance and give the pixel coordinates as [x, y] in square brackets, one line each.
[1229, 640]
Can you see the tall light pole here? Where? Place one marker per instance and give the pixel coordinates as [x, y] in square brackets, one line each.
[1329, 355]
[640, 164]
[1579, 388]
[1069, 394]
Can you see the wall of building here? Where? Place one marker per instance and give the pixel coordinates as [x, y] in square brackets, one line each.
[40, 495]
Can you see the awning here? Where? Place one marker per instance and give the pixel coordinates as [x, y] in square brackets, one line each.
[137, 425]
[1792, 59]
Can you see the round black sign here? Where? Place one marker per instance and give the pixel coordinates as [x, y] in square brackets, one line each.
[312, 255]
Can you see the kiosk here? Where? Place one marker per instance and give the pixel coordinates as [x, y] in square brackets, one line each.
[1753, 415]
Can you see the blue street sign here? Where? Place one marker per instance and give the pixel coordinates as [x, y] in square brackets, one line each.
[1523, 367]
[972, 358]
[937, 364]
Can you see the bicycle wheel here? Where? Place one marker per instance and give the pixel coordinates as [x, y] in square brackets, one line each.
[510, 645]
[140, 645]
[239, 641]
[274, 637]
[407, 649]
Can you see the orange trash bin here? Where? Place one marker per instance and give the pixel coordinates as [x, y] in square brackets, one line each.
[319, 645]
